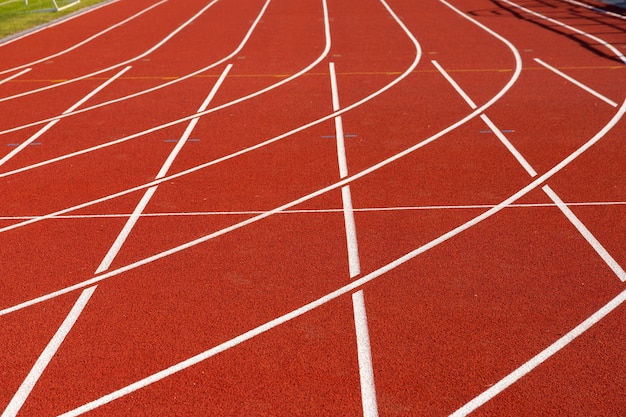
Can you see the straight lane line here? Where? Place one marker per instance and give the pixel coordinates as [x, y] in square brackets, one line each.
[582, 229]
[130, 224]
[46, 356]
[364, 353]
[509, 146]
[14, 76]
[47, 127]
[540, 358]
[577, 83]
[505, 141]
[454, 84]
[318, 211]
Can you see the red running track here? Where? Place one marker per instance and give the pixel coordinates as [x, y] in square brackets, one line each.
[315, 207]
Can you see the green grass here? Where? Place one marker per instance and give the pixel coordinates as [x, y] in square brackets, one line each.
[15, 16]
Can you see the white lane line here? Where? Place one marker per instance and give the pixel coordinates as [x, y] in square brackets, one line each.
[227, 157]
[91, 38]
[46, 356]
[120, 64]
[65, 19]
[454, 84]
[164, 85]
[582, 229]
[517, 71]
[577, 83]
[610, 47]
[595, 9]
[14, 76]
[194, 360]
[364, 351]
[43, 361]
[595, 244]
[320, 211]
[353, 249]
[125, 232]
[47, 127]
[132, 220]
[364, 354]
[509, 146]
[355, 284]
[540, 358]
[487, 121]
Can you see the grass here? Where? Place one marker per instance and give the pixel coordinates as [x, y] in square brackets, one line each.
[16, 16]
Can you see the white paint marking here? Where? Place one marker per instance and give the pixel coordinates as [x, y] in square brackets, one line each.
[577, 83]
[167, 84]
[595, 9]
[120, 64]
[512, 149]
[364, 350]
[540, 358]
[364, 355]
[14, 76]
[341, 148]
[339, 292]
[46, 356]
[322, 191]
[351, 240]
[130, 224]
[595, 244]
[125, 232]
[56, 23]
[47, 127]
[91, 38]
[318, 211]
[454, 84]
[505, 141]
[615, 51]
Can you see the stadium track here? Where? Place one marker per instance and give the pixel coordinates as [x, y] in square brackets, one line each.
[208, 247]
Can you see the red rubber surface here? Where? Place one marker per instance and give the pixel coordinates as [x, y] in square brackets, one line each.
[448, 319]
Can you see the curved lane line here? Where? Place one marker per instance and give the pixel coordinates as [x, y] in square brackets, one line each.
[336, 185]
[81, 43]
[595, 9]
[152, 89]
[199, 114]
[357, 284]
[602, 42]
[57, 23]
[121, 64]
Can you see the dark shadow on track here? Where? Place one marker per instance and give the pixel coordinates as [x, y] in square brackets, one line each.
[566, 13]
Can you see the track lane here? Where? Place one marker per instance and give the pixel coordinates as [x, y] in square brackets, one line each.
[108, 28]
[392, 404]
[554, 170]
[177, 23]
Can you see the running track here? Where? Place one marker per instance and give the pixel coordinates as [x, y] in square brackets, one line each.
[315, 207]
